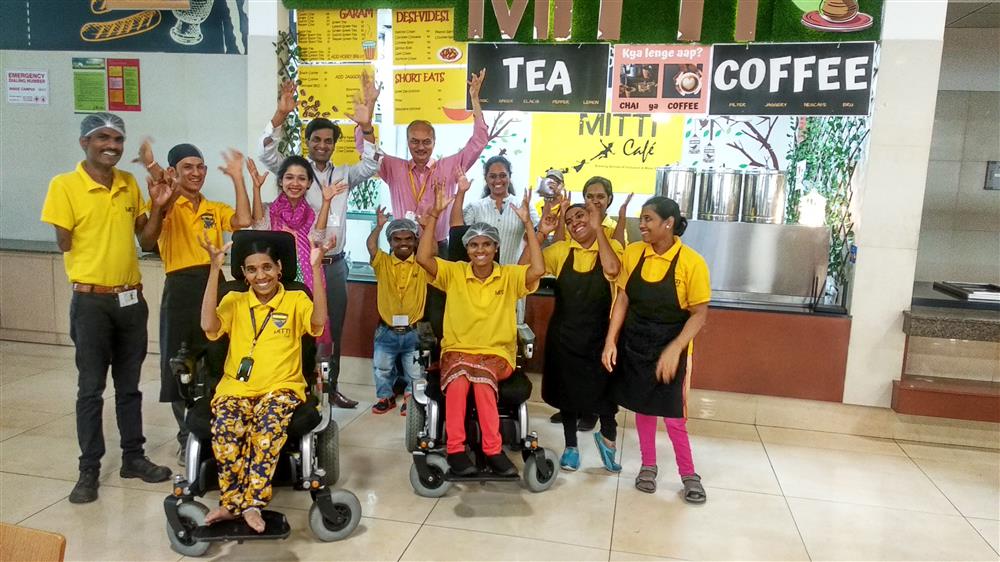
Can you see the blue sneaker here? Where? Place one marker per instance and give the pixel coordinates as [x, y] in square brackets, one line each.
[607, 454]
[570, 459]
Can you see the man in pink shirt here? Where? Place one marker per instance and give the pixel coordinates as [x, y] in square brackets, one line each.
[411, 182]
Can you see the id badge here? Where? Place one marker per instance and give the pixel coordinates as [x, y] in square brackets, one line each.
[128, 298]
[244, 370]
[400, 320]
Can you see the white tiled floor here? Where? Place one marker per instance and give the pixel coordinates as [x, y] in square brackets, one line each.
[774, 493]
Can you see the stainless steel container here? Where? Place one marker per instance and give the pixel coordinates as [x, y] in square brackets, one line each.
[719, 195]
[678, 183]
[764, 197]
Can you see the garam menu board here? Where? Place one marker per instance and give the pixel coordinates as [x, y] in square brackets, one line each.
[337, 35]
[437, 95]
[792, 79]
[660, 79]
[539, 77]
[425, 37]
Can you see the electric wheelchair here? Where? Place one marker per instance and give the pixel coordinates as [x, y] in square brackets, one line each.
[308, 461]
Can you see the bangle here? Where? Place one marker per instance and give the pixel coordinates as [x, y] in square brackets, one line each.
[150, 165]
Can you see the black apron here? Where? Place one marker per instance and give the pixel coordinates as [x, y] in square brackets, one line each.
[573, 377]
[180, 321]
[653, 320]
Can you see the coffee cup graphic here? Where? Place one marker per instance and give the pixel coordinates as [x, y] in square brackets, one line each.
[369, 48]
[688, 83]
[837, 16]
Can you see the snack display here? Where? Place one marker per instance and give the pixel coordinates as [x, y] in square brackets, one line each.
[449, 54]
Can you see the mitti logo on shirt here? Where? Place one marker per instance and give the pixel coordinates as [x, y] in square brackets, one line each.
[280, 319]
[208, 220]
[499, 292]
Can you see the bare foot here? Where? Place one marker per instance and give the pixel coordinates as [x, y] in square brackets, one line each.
[254, 520]
[219, 514]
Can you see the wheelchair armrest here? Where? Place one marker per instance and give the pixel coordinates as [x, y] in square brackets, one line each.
[526, 340]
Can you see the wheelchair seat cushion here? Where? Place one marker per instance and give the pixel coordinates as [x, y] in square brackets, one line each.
[304, 419]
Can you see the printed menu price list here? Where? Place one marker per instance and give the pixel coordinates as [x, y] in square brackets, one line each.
[425, 37]
[336, 35]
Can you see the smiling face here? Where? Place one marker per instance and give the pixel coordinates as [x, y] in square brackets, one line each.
[321, 144]
[578, 225]
[103, 147]
[402, 243]
[420, 139]
[263, 274]
[594, 193]
[481, 250]
[191, 174]
[653, 227]
[498, 180]
[295, 182]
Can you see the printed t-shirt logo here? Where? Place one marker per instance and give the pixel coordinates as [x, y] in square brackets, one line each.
[279, 319]
[208, 220]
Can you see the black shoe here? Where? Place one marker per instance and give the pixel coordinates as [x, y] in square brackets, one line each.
[460, 464]
[341, 401]
[501, 465]
[556, 417]
[586, 423]
[85, 490]
[142, 467]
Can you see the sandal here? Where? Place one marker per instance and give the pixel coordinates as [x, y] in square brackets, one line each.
[646, 480]
[693, 490]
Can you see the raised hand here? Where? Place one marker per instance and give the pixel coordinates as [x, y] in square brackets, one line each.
[286, 97]
[550, 221]
[461, 181]
[593, 217]
[362, 113]
[475, 83]
[161, 192]
[623, 210]
[333, 190]
[381, 217]
[441, 202]
[145, 156]
[524, 211]
[218, 255]
[370, 90]
[255, 177]
[317, 251]
[233, 163]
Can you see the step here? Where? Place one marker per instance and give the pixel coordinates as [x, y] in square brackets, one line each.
[944, 397]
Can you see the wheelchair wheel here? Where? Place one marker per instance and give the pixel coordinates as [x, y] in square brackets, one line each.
[192, 515]
[533, 480]
[348, 515]
[439, 487]
[415, 418]
[328, 452]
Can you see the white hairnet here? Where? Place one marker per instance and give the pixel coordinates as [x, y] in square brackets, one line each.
[398, 225]
[481, 229]
[101, 120]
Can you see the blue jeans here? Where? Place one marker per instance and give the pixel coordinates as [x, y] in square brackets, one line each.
[388, 346]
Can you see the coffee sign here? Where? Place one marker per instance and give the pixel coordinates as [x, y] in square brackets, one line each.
[792, 79]
[564, 78]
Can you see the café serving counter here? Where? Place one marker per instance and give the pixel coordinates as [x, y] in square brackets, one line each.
[776, 349]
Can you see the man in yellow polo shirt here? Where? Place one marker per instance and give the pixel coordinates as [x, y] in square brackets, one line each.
[97, 211]
[187, 217]
[480, 328]
[402, 294]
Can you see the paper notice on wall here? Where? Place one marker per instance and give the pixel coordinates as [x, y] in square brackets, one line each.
[337, 35]
[437, 96]
[30, 87]
[425, 37]
[328, 91]
[123, 85]
[89, 85]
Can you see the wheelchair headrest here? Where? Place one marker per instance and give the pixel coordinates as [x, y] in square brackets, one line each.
[247, 242]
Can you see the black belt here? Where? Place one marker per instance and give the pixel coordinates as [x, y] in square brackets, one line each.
[328, 260]
[399, 329]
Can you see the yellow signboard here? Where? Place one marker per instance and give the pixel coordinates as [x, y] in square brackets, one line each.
[626, 149]
[337, 35]
[344, 152]
[435, 95]
[328, 91]
[425, 37]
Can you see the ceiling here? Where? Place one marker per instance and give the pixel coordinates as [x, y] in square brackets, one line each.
[973, 14]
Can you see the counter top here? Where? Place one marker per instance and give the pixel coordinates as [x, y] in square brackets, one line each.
[924, 294]
[952, 323]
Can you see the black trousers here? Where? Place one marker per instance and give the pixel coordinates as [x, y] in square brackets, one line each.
[609, 426]
[107, 335]
[336, 304]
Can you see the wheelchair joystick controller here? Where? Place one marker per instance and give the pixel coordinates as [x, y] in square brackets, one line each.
[182, 364]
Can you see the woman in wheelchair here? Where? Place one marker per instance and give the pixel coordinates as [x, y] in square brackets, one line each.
[262, 381]
[480, 328]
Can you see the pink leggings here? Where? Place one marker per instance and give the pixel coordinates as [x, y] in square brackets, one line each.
[677, 431]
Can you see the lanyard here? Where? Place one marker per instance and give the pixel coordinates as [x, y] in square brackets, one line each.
[253, 322]
[328, 173]
[418, 197]
[406, 285]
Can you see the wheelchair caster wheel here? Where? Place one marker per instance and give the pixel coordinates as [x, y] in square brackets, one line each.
[533, 478]
[192, 515]
[435, 486]
[347, 515]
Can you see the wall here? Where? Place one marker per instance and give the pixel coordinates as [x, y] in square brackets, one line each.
[185, 98]
[960, 227]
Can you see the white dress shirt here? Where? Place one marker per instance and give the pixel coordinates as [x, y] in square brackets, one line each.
[507, 222]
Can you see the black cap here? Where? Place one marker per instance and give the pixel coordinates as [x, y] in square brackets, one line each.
[182, 151]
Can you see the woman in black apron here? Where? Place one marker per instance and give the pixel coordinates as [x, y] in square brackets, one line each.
[655, 317]
[573, 379]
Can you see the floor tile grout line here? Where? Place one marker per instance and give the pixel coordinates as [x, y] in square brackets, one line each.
[781, 489]
[890, 508]
[420, 527]
[43, 509]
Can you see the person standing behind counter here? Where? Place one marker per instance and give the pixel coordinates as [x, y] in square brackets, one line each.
[662, 303]
[97, 211]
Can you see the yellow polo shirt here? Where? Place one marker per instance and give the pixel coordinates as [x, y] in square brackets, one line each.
[180, 238]
[691, 275]
[584, 259]
[278, 355]
[102, 222]
[402, 287]
[480, 316]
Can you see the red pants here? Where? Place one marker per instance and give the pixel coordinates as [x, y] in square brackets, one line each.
[455, 398]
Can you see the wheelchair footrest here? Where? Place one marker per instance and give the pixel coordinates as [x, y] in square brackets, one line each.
[485, 476]
[275, 527]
